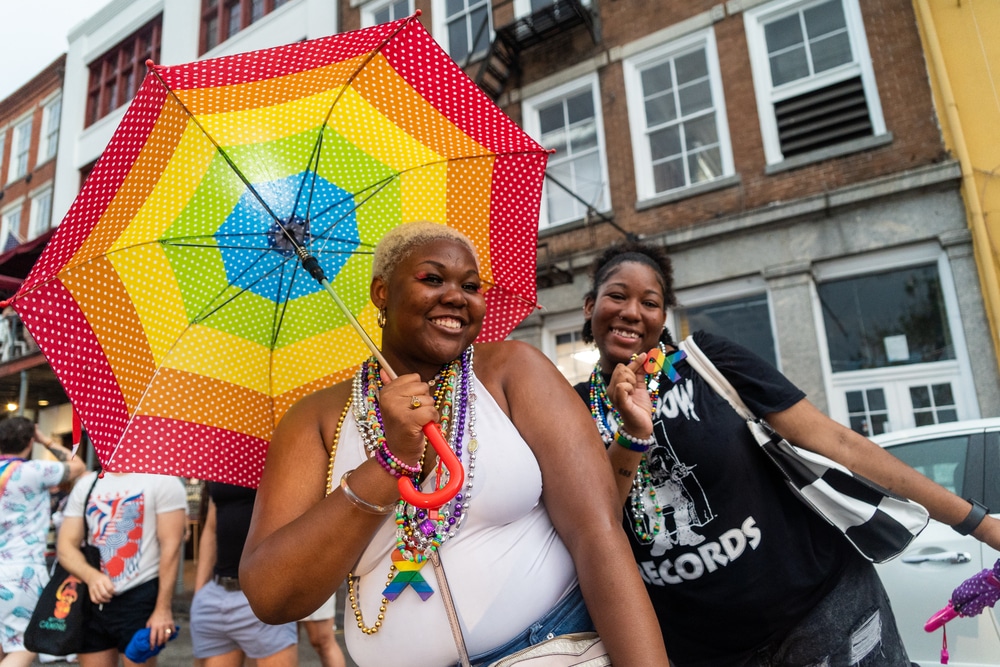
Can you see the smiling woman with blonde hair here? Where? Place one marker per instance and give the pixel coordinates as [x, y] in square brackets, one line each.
[527, 546]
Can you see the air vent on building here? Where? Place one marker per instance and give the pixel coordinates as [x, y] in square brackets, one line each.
[823, 117]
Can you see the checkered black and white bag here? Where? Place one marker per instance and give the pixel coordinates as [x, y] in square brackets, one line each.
[877, 522]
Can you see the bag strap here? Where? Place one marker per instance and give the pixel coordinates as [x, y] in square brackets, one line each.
[706, 369]
[449, 608]
[86, 499]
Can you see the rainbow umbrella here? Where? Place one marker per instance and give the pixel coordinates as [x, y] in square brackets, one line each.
[173, 303]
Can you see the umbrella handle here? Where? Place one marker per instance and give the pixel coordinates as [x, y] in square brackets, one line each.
[456, 474]
[940, 618]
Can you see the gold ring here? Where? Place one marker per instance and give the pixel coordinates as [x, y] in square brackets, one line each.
[415, 402]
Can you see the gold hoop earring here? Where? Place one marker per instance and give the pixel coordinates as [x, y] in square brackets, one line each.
[380, 318]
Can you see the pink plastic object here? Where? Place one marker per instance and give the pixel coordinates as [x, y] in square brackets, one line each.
[456, 474]
[940, 618]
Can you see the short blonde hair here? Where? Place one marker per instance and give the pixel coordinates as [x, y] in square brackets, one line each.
[400, 240]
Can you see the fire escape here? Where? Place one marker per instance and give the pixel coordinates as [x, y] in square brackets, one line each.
[502, 60]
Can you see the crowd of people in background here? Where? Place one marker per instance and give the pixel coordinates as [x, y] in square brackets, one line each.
[522, 564]
[50, 505]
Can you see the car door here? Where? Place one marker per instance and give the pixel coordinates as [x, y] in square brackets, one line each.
[920, 581]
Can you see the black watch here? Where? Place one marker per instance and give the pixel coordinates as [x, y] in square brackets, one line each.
[973, 519]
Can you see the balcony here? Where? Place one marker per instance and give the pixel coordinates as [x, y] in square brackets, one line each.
[502, 60]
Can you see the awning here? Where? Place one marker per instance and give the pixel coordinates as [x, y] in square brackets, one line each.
[16, 263]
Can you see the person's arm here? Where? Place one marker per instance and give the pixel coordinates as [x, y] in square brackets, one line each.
[206, 549]
[315, 540]
[577, 482]
[170, 535]
[804, 425]
[71, 535]
[75, 467]
[629, 395]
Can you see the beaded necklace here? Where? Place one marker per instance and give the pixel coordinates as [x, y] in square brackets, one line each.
[419, 532]
[603, 412]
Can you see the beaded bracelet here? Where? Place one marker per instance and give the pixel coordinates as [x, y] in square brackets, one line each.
[360, 503]
[633, 443]
[393, 464]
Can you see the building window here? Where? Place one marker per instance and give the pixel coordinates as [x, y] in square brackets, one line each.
[19, 149]
[562, 342]
[3, 146]
[812, 75]
[568, 119]
[867, 411]
[886, 319]
[41, 213]
[222, 19]
[49, 140]
[744, 320]
[465, 29]
[933, 404]
[680, 136]
[115, 76]
[10, 228]
[384, 11]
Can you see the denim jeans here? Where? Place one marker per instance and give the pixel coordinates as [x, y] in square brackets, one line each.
[569, 615]
[852, 626]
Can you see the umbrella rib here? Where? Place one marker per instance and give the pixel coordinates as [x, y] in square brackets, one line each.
[318, 146]
[225, 156]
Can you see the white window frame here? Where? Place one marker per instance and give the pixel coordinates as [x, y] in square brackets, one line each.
[3, 145]
[766, 94]
[522, 8]
[369, 8]
[739, 288]
[6, 227]
[529, 111]
[48, 138]
[558, 324]
[17, 168]
[641, 153]
[957, 370]
[440, 24]
[37, 225]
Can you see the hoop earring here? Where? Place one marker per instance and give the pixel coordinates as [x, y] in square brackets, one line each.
[380, 318]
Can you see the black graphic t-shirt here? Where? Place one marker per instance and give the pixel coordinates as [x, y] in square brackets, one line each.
[736, 559]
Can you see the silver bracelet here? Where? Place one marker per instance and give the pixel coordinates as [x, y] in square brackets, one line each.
[360, 503]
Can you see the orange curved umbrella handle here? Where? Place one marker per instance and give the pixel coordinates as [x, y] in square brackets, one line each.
[456, 474]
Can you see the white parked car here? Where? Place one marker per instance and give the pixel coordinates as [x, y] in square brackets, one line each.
[964, 457]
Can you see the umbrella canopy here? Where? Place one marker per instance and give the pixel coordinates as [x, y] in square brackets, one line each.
[172, 303]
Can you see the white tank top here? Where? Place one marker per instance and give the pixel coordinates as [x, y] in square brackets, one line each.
[506, 566]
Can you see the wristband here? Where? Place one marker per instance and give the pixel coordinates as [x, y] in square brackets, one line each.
[361, 504]
[631, 442]
[973, 519]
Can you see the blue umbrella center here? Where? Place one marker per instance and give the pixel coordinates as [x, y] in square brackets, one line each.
[258, 239]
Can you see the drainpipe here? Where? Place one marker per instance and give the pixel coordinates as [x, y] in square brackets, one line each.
[977, 222]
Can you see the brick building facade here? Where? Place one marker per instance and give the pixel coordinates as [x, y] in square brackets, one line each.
[797, 176]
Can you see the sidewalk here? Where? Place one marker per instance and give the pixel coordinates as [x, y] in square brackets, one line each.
[178, 652]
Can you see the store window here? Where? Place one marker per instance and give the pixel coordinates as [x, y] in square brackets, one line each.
[744, 320]
[884, 319]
